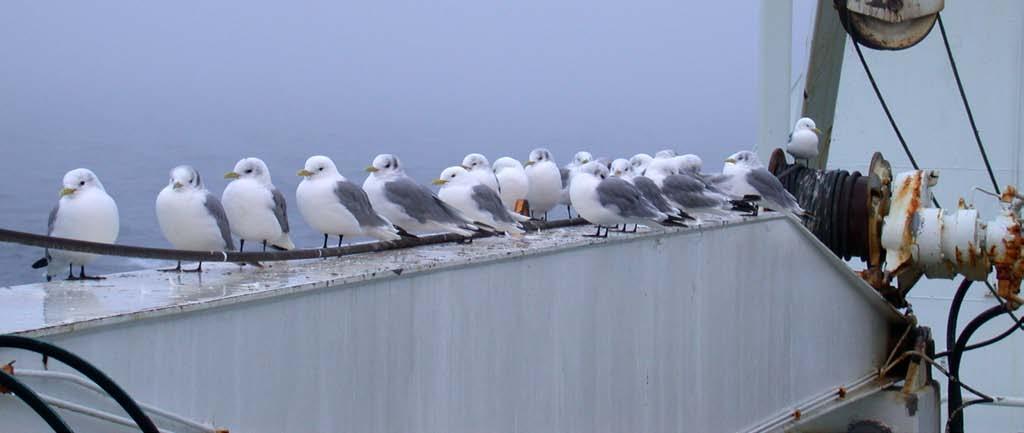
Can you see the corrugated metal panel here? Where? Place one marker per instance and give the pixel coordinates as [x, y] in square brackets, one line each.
[694, 330]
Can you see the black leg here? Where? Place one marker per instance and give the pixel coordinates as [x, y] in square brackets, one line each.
[197, 269]
[340, 237]
[174, 269]
[264, 246]
[635, 226]
[325, 240]
[81, 275]
[241, 245]
[71, 272]
[568, 210]
[545, 216]
[595, 235]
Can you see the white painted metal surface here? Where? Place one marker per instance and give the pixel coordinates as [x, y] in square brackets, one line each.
[690, 330]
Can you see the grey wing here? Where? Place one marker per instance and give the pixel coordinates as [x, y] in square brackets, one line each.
[419, 202]
[280, 209]
[489, 201]
[771, 188]
[626, 197]
[565, 176]
[217, 212]
[715, 182]
[690, 192]
[53, 219]
[354, 199]
[653, 194]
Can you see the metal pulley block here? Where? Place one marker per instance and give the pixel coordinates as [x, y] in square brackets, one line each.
[888, 24]
[1004, 242]
[911, 191]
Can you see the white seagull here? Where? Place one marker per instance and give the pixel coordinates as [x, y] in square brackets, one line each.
[566, 173]
[687, 192]
[748, 177]
[190, 217]
[803, 141]
[621, 168]
[409, 205]
[336, 207]
[513, 184]
[640, 162]
[480, 168]
[463, 191]
[256, 209]
[608, 201]
[545, 182]
[84, 212]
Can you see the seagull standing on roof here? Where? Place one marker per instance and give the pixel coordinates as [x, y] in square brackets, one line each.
[334, 206]
[687, 192]
[803, 141]
[513, 184]
[545, 182]
[748, 177]
[567, 171]
[190, 217]
[409, 205]
[480, 168]
[84, 212]
[607, 201]
[463, 191]
[640, 162]
[255, 208]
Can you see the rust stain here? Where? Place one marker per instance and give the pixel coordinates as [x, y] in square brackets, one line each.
[842, 392]
[797, 414]
[9, 369]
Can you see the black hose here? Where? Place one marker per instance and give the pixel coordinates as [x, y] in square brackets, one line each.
[33, 401]
[1016, 325]
[37, 240]
[88, 370]
[955, 396]
[954, 313]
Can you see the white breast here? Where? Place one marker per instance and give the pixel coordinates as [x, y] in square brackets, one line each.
[322, 210]
[514, 186]
[545, 186]
[249, 206]
[185, 221]
[89, 215]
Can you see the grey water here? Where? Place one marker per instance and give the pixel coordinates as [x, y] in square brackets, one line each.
[131, 89]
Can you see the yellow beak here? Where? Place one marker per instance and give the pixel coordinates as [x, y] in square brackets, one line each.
[67, 191]
[730, 160]
[372, 169]
[231, 175]
[527, 163]
[305, 173]
[816, 130]
[439, 182]
[178, 185]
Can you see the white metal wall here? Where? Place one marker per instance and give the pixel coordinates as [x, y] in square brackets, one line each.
[708, 330]
[987, 39]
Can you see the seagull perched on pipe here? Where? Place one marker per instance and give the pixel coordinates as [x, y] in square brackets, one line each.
[192, 218]
[803, 141]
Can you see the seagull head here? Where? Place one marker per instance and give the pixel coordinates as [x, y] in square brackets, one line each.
[319, 166]
[744, 158]
[661, 168]
[78, 180]
[506, 163]
[621, 167]
[581, 157]
[538, 155]
[640, 162]
[185, 178]
[456, 175]
[666, 153]
[595, 169]
[806, 123]
[250, 168]
[689, 163]
[384, 164]
[475, 161]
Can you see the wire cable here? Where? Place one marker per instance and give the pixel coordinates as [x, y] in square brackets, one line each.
[33, 401]
[967, 106]
[955, 398]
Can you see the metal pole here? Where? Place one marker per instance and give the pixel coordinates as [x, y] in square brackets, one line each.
[775, 48]
[824, 68]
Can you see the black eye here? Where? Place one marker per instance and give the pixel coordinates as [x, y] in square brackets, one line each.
[249, 171]
[321, 169]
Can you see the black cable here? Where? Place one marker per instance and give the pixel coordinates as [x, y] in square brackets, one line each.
[885, 107]
[967, 106]
[954, 313]
[1018, 323]
[37, 240]
[955, 396]
[88, 370]
[957, 412]
[33, 401]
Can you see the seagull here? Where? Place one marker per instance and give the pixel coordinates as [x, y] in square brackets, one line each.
[640, 162]
[84, 212]
[255, 208]
[748, 177]
[621, 168]
[407, 204]
[607, 201]
[665, 154]
[545, 184]
[463, 191]
[687, 192]
[190, 217]
[566, 172]
[334, 206]
[803, 141]
[513, 185]
[689, 163]
[480, 168]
